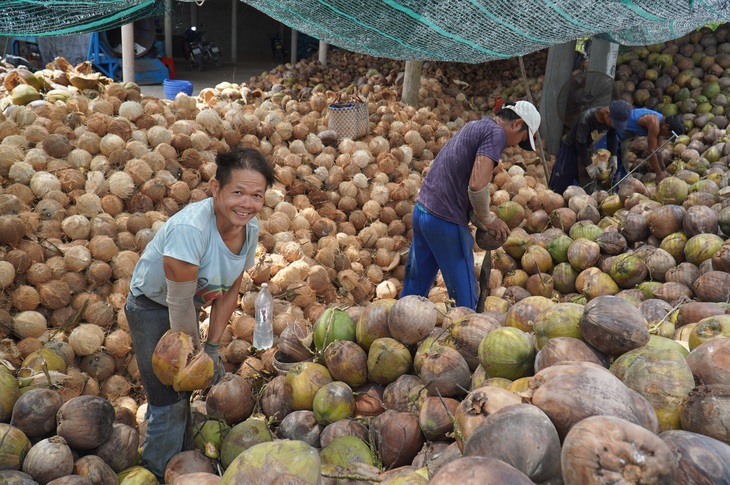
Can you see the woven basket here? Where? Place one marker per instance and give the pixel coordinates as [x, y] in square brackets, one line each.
[349, 118]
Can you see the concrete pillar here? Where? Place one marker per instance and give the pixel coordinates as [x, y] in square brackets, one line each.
[168, 28]
[557, 72]
[193, 14]
[293, 46]
[412, 82]
[602, 57]
[234, 30]
[323, 52]
[128, 53]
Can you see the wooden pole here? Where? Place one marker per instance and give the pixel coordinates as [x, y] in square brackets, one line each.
[234, 30]
[293, 46]
[128, 53]
[412, 82]
[529, 98]
[168, 28]
[323, 52]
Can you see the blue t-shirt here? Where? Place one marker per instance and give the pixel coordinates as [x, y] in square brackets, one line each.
[632, 124]
[445, 189]
[191, 235]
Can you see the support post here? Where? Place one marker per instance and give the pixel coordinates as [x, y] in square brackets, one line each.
[128, 53]
[557, 72]
[293, 46]
[168, 28]
[193, 13]
[234, 30]
[323, 52]
[602, 57]
[412, 82]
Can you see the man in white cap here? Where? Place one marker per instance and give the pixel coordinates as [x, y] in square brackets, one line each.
[454, 192]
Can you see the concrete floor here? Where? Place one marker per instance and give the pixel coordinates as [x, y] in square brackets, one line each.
[239, 72]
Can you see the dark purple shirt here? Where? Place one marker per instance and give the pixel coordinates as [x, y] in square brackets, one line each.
[445, 190]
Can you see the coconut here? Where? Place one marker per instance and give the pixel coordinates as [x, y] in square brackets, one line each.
[305, 379]
[333, 401]
[347, 362]
[537, 457]
[373, 322]
[598, 440]
[397, 437]
[95, 469]
[75, 423]
[241, 437]
[188, 462]
[301, 425]
[692, 451]
[565, 349]
[411, 319]
[388, 359]
[571, 392]
[264, 462]
[333, 324]
[561, 320]
[613, 326]
[49, 459]
[628, 270]
[712, 286]
[474, 470]
[120, 450]
[536, 260]
[660, 375]
[434, 417]
[665, 220]
[34, 412]
[276, 400]
[230, 399]
[445, 372]
[699, 220]
[507, 352]
[523, 313]
[705, 409]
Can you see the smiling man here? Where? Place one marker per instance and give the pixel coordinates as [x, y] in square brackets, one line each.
[455, 191]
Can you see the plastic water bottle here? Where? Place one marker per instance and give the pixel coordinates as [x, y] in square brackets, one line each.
[263, 330]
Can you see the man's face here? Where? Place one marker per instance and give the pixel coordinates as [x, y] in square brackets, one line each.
[516, 132]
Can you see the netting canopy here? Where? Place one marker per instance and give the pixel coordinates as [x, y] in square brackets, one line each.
[476, 31]
[58, 17]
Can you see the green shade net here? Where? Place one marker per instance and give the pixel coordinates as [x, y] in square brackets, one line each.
[476, 31]
[58, 17]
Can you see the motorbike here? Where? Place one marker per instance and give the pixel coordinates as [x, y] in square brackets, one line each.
[198, 50]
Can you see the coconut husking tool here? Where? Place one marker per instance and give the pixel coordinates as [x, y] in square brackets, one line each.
[636, 167]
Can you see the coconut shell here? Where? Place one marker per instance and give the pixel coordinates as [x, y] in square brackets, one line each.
[185, 462]
[34, 413]
[665, 220]
[710, 362]
[497, 437]
[478, 470]
[613, 325]
[95, 470]
[571, 392]
[397, 437]
[713, 286]
[707, 410]
[617, 450]
[694, 311]
[230, 399]
[85, 421]
[701, 460]
[566, 349]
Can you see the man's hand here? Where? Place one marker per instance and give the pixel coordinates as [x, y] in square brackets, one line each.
[614, 164]
[218, 370]
[492, 234]
[593, 171]
[498, 229]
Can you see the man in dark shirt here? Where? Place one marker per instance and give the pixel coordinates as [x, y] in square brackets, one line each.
[455, 190]
[573, 162]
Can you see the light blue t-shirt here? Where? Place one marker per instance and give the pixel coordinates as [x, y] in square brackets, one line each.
[191, 235]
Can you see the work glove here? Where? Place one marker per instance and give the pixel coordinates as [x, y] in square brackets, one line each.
[182, 313]
[593, 171]
[218, 370]
[491, 235]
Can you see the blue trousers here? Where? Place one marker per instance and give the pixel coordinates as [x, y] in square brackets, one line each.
[440, 245]
[168, 411]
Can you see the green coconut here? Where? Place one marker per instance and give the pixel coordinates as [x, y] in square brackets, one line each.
[24, 93]
[564, 276]
[560, 320]
[667, 343]
[136, 475]
[345, 450]
[242, 437]
[702, 247]
[674, 244]
[586, 230]
[662, 376]
[628, 270]
[507, 352]
[333, 324]
[599, 284]
[709, 328]
[41, 360]
[9, 394]
[558, 248]
[511, 213]
[333, 401]
[388, 359]
[517, 242]
[672, 190]
[611, 205]
[305, 379]
[13, 447]
[724, 220]
[208, 436]
[523, 313]
[263, 463]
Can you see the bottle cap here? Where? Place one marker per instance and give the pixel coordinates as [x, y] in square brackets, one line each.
[264, 285]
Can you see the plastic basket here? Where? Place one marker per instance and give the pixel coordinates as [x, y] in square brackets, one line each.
[173, 86]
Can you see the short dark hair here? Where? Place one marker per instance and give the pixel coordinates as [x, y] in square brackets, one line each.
[510, 115]
[675, 124]
[243, 159]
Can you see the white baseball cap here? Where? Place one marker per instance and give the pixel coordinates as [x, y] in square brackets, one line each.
[531, 117]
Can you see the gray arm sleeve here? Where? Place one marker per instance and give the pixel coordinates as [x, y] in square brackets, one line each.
[183, 316]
